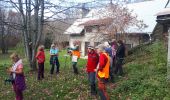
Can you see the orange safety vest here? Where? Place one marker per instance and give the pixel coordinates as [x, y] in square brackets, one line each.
[76, 53]
[105, 72]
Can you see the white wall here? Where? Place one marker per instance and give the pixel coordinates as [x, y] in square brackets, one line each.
[78, 38]
[134, 41]
[88, 37]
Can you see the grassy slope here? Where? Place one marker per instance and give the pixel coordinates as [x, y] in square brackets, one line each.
[145, 75]
[145, 79]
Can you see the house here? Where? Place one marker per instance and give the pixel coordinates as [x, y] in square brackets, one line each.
[92, 29]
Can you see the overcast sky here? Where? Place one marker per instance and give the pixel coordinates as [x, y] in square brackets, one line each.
[76, 1]
[80, 0]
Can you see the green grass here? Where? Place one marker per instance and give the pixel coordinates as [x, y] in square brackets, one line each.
[65, 86]
[145, 79]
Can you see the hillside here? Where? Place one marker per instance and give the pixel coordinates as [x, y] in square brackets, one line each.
[144, 79]
[145, 75]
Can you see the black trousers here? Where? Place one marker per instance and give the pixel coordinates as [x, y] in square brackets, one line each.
[74, 64]
[118, 68]
[40, 70]
[56, 62]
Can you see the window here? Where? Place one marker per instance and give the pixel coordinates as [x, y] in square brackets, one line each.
[88, 29]
[86, 46]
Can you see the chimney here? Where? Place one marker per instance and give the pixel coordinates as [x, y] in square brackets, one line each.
[85, 10]
[111, 2]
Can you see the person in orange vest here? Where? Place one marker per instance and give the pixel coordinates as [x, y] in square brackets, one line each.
[75, 54]
[103, 71]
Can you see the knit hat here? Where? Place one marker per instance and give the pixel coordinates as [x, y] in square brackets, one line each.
[90, 47]
[101, 47]
[106, 44]
[53, 45]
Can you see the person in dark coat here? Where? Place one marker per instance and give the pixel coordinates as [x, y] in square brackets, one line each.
[92, 62]
[120, 54]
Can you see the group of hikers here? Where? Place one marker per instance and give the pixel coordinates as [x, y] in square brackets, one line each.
[104, 61]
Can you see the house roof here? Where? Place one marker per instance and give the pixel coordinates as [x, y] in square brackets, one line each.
[144, 10]
[165, 11]
[105, 21]
[77, 28]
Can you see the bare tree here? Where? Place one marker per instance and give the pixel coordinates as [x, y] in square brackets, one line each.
[33, 20]
[120, 19]
[31, 36]
[8, 31]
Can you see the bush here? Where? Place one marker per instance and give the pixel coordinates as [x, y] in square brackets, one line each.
[48, 43]
[20, 49]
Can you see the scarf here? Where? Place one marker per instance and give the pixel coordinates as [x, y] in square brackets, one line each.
[14, 67]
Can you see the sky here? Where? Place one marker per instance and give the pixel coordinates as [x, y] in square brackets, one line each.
[80, 1]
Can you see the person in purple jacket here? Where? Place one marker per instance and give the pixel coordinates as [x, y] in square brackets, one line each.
[16, 71]
[114, 48]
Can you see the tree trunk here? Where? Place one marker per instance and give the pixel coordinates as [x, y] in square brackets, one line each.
[39, 21]
[3, 46]
[2, 39]
[168, 57]
[32, 36]
[25, 33]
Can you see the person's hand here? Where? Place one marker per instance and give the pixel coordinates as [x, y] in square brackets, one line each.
[95, 70]
[84, 69]
[9, 70]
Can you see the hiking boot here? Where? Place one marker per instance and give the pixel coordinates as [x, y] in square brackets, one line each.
[93, 90]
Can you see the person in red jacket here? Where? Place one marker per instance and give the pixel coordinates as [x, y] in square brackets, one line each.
[40, 56]
[103, 71]
[92, 63]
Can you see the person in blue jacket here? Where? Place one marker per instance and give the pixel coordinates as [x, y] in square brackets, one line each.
[54, 59]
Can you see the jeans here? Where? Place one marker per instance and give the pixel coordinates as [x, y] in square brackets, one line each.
[119, 63]
[102, 89]
[92, 80]
[56, 62]
[111, 69]
[92, 77]
[40, 70]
